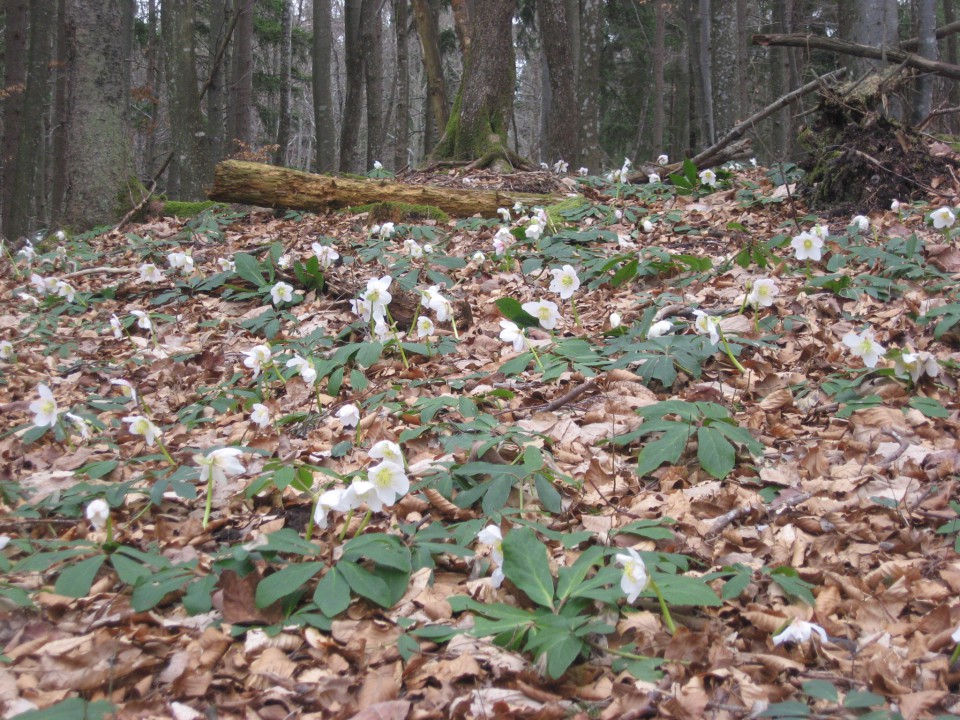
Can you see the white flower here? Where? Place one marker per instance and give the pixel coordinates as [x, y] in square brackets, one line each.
[708, 177]
[387, 230]
[660, 328]
[81, 425]
[6, 349]
[807, 246]
[218, 464]
[226, 265]
[492, 536]
[647, 226]
[705, 324]
[387, 450]
[374, 229]
[560, 166]
[140, 425]
[437, 302]
[413, 248]
[545, 311]
[4, 541]
[943, 217]
[518, 207]
[565, 282]
[143, 320]
[117, 327]
[60, 235]
[498, 246]
[303, 366]
[821, 231]
[615, 320]
[43, 285]
[511, 333]
[45, 409]
[634, 580]
[377, 165]
[181, 261]
[503, 239]
[126, 388]
[653, 178]
[383, 332]
[618, 214]
[427, 248]
[663, 160]
[544, 166]
[504, 214]
[27, 253]
[762, 293]
[479, 257]
[753, 161]
[896, 205]
[390, 481]
[916, 364]
[339, 499]
[534, 231]
[283, 262]
[955, 636]
[583, 172]
[378, 296]
[65, 290]
[425, 327]
[862, 222]
[799, 631]
[150, 273]
[326, 254]
[349, 415]
[281, 292]
[864, 346]
[362, 308]
[257, 357]
[260, 415]
[98, 512]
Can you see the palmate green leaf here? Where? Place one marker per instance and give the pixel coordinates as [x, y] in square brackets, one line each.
[285, 582]
[821, 690]
[332, 594]
[686, 590]
[569, 578]
[791, 583]
[365, 583]
[15, 595]
[75, 580]
[667, 449]
[789, 710]
[554, 637]
[71, 709]
[517, 365]
[716, 455]
[525, 564]
[512, 310]
[383, 549]
[249, 269]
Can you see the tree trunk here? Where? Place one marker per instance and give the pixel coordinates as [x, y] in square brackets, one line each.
[15, 78]
[478, 125]
[371, 50]
[659, 59]
[240, 112]
[705, 56]
[269, 186]
[286, 62]
[426, 23]
[461, 23]
[350, 160]
[588, 83]
[564, 123]
[23, 198]
[188, 126]
[98, 146]
[58, 178]
[927, 30]
[401, 19]
[779, 67]
[867, 22]
[953, 57]
[322, 96]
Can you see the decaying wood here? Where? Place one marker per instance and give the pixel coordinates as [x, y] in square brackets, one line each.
[845, 47]
[276, 187]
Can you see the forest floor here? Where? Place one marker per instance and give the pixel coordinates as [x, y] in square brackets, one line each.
[764, 475]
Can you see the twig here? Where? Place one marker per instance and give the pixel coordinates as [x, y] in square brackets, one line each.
[720, 523]
[99, 270]
[570, 396]
[883, 167]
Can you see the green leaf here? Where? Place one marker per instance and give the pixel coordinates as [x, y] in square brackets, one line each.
[512, 310]
[128, 570]
[821, 690]
[332, 595]
[789, 710]
[249, 269]
[386, 550]
[70, 709]
[560, 646]
[569, 578]
[75, 580]
[369, 353]
[365, 583]
[625, 273]
[549, 497]
[16, 595]
[862, 699]
[407, 647]
[929, 407]
[517, 364]
[686, 590]
[526, 565]
[100, 469]
[716, 455]
[791, 583]
[285, 582]
[667, 449]
[652, 529]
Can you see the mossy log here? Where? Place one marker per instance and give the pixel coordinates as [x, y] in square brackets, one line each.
[276, 187]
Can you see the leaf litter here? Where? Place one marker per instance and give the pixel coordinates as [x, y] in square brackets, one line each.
[844, 515]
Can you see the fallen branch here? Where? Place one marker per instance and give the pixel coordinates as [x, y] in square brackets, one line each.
[845, 47]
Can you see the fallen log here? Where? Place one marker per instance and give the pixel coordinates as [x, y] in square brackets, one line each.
[250, 183]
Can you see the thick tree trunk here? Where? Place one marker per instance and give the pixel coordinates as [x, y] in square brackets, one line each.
[286, 61]
[322, 95]
[270, 186]
[371, 49]
[953, 57]
[426, 23]
[98, 147]
[215, 122]
[564, 122]
[927, 29]
[705, 56]
[724, 66]
[659, 60]
[874, 23]
[14, 78]
[401, 20]
[240, 113]
[588, 83]
[350, 158]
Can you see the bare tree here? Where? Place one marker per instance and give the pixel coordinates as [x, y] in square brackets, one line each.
[15, 80]
[322, 96]
[286, 62]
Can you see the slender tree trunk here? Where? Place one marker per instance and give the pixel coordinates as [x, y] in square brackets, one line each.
[99, 162]
[461, 23]
[706, 70]
[401, 20]
[215, 123]
[564, 122]
[23, 213]
[869, 22]
[240, 128]
[350, 158]
[659, 60]
[927, 30]
[427, 30]
[286, 62]
[371, 48]
[588, 82]
[14, 79]
[779, 66]
[953, 57]
[58, 178]
[322, 96]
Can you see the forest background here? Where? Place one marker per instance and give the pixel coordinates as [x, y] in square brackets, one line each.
[101, 97]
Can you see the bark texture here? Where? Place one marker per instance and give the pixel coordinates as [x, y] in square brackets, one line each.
[286, 60]
[14, 81]
[350, 158]
[426, 23]
[322, 96]
[563, 123]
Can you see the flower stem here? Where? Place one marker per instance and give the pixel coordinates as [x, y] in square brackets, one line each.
[956, 655]
[166, 453]
[364, 523]
[576, 315]
[313, 512]
[726, 348]
[667, 617]
[208, 506]
[346, 525]
[534, 351]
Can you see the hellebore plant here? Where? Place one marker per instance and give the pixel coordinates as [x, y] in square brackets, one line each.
[864, 346]
[710, 325]
[565, 283]
[215, 466]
